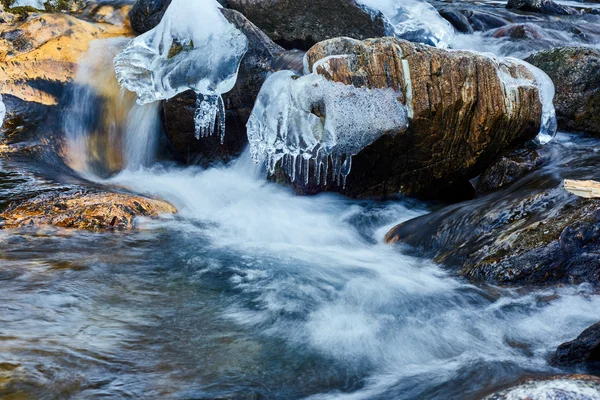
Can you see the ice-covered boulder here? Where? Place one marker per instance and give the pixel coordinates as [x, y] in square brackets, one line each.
[262, 58]
[395, 117]
[194, 47]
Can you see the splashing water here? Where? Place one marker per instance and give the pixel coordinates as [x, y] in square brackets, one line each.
[2, 111]
[194, 47]
[414, 20]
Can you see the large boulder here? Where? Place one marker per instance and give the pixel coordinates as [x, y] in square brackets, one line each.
[531, 232]
[263, 57]
[569, 387]
[146, 14]
[576, 74]
[86, 209]
[584, 349]
[302, 23]
[463, 112]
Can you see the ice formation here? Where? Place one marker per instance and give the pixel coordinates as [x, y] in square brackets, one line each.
[288, 123]
[194, 47]
[545, 88]
[2, 111]
[38, 4]
[414, 20]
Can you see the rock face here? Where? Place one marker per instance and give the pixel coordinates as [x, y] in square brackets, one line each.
[576, 75]
[584, 349]
[568, 387]
[262, 58]
[507, 169]
[462, 114]
[83, 209]
[541, 6]
[302, 23]
[532, 232]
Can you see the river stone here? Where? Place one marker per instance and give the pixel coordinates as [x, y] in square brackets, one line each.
[584, 349]
[576, 75]
[302, 23]
[262, 58]
[461, 118]
[83, 209]
[569, 387]
[541, 6]
[533, 232]
[507, 169]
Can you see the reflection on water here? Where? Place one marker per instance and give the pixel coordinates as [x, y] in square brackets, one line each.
[252, 292]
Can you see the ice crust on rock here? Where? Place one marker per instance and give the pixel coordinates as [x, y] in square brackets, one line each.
[288, 123]
[37, 4]
[194, 47]
[413, 20]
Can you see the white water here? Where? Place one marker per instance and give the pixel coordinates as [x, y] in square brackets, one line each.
[2, 111]
[317, 275]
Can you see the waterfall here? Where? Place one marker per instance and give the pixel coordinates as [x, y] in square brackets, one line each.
[105, 130]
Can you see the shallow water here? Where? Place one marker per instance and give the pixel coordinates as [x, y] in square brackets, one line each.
[252, 292]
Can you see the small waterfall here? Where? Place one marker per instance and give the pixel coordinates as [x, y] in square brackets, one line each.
[105, 130]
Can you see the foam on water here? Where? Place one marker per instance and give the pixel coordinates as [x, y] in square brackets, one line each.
[315, 273]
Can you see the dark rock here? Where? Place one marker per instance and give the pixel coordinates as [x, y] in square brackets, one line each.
[508, 169]
[458, 20]
[584, 349]
[531, 232]
[458, 124]
[541, 6]
[576, 75]
[519, 31]
[302, 23]
[262, 58]
[146, 14]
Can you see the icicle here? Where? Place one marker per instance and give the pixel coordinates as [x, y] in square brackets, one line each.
[346, 168]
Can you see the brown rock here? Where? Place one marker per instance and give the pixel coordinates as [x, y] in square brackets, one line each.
[83, 209]
[461, 114]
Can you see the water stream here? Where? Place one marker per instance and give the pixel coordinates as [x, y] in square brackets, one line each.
[250, 292]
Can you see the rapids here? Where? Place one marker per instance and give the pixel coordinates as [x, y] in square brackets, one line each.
[249, 291]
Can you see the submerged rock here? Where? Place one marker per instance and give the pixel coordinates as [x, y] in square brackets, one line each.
[576, 74]
[570, 387]
[456, 112]
[541, 6]
[302, 23]
[584, 349]
[532, 232]
[83, 209]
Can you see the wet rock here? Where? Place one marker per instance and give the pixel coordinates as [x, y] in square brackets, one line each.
[584, 349]
[83, 209]
[262, 58]
[576, 75]
[458, 20]
[508, 169]
[519, 31]
[541, 6]
[146, 14]
[459, 117]
[570, 387]
[302, 23]
[532, 232]
[38, 58]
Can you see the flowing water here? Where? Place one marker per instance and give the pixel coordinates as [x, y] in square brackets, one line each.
[250, 292]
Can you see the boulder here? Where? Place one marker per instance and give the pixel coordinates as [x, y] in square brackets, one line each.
[462, 114]
[576, 75]
[569, 387]
[541, 6]
[507, 169]
[531, 232]
[262, 58]
[146, 14]
[302, 23]
[584, 349]
[85, 209]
